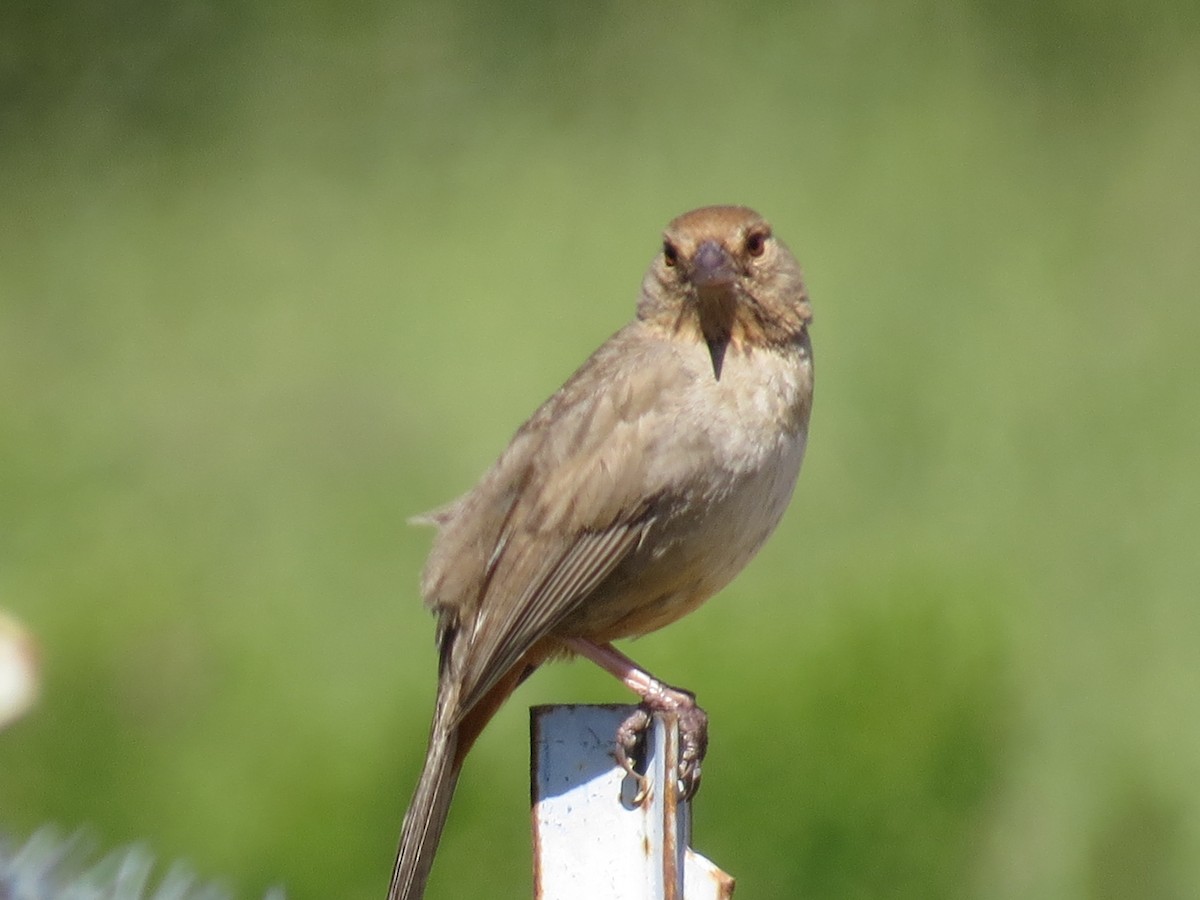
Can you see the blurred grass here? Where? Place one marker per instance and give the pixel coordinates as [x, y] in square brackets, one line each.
[275, 278]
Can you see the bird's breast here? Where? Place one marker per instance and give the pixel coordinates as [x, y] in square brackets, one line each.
[723, 477]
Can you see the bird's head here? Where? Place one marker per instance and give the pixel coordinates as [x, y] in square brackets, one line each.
[724, 275]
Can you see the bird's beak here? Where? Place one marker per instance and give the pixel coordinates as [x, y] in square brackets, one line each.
[712, 267]
[713, 275]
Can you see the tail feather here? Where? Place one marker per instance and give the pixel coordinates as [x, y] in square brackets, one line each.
[427, 813]
[454, 732]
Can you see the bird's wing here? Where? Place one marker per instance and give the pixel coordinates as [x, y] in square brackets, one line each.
[567, 501]
[503, 633]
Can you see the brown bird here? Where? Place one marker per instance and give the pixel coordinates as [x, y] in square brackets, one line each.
[636, 492]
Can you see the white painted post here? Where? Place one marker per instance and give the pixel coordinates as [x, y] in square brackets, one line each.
[590, 842]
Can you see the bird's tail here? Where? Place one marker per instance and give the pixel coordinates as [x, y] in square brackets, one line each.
[453, 734]
[426, 814]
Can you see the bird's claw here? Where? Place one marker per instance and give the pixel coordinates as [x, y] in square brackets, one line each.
[630, 734]
[693, 744]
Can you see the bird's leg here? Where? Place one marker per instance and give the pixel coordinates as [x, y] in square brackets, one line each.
[656, 697]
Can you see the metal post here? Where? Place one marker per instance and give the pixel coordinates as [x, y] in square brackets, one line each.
[590, 841]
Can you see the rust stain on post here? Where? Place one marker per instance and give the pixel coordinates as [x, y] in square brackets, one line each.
[671, 826]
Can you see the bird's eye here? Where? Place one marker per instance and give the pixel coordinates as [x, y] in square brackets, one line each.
[756, 242]
[670, 253]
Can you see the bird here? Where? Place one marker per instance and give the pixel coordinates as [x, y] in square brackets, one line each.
[633, 494]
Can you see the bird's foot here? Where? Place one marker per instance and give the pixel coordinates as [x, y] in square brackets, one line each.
[693, 739]
[656, 697]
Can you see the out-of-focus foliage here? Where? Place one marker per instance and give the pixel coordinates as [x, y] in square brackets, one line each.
[274, 277]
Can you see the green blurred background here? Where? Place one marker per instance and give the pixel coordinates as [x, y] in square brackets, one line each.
[274, 277]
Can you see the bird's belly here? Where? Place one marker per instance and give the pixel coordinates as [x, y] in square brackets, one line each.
[687, 558]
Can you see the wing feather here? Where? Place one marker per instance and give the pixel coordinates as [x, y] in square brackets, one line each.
[557, 513]
[563, 584]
